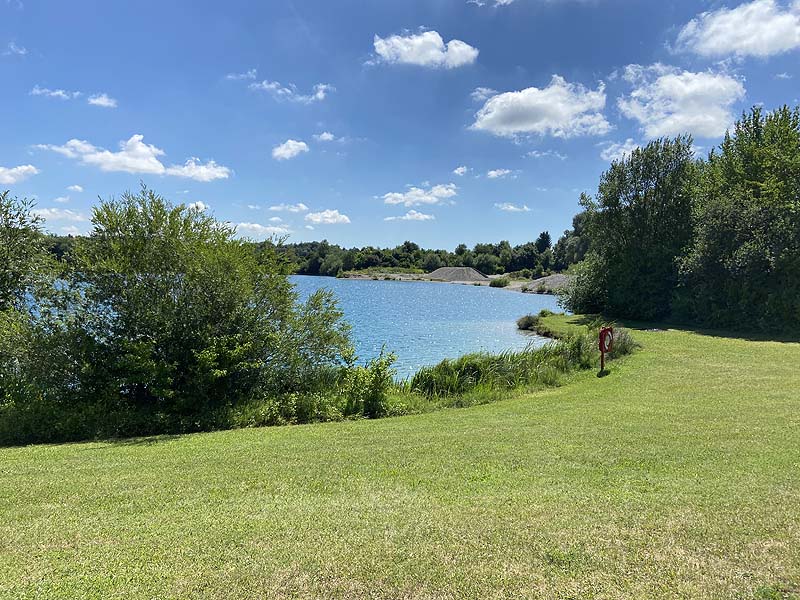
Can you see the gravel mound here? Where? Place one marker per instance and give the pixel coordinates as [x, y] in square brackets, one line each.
[457, 274]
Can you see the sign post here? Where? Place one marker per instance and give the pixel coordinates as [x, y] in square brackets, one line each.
[606, 343]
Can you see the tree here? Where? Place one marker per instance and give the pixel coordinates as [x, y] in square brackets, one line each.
[23, 255]
[572, 247]
[639, 224]
[178, 318]
[543, 242]
[743, 267]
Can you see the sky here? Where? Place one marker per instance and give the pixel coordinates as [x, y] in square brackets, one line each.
[370, 123]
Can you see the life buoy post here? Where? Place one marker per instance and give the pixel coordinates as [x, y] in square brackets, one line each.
[606, 344]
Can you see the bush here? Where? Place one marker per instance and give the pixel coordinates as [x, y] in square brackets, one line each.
[500, 282]
[164, 323]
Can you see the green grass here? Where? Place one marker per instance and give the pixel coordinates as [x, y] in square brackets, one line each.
[675, 476]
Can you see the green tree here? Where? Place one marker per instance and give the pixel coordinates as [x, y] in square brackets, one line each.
[543, 242]
[180, 319]
[639, 224]
[743, 267]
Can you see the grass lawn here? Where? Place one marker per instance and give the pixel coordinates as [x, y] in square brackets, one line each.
[676, 476]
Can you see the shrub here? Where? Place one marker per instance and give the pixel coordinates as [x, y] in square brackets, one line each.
[499, 282]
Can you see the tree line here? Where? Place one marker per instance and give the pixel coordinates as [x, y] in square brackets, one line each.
[531, 259]
[713, 241]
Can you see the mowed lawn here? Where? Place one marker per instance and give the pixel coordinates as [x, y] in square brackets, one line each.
[676, 476]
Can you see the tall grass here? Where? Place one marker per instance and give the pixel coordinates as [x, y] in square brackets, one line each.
[509, 370]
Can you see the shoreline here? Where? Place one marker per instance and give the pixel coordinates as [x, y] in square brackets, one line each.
[548, 285]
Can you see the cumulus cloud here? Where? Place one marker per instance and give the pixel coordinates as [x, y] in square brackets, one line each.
[667, 101]
[58, 93]
[194, 169]
[198, 206]
[292, 208]
[103, 100]
[760, 28]
[258, 231]
[498, 173]
[615, 151]
[135, 156]
[12, 175]
[12, 49]
[289, 149]
[546, 154]
[412, 215]
[482, 94]
[327, 217]
[75, 188]
[424, 49]
[460, 171]
[289, 92]
[415, 196]
[60, 214]
[509, 207]
[561, 109]
[325, 136]
[61, 199]
[250, 74]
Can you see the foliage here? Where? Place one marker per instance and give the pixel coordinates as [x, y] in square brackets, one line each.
[163, 321]
[499, 282]
[743, 266]
[639, 222]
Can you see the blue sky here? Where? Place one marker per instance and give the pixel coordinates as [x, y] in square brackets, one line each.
[438, 121]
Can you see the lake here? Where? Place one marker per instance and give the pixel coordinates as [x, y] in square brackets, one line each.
[425, 322]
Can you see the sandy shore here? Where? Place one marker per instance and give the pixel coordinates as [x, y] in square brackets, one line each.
[543, 285]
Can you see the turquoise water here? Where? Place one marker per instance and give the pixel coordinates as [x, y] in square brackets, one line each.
[424, 322]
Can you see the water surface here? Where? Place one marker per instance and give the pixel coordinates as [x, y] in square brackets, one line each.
[425, 322]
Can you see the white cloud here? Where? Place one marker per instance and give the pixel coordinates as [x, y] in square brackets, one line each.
[615, 151]
[498, 173]
[103, 100]
[546, 154]
[460, 171]
[508, 207]
[249, 74]
[561, 109]
[667, 101]
[310, 227]
[75, 188]
[194, 169]
[325, 136]
[327, 217]
[783, 76]
[11, 175]
[425, 49]
[290, 93]
[482, 94]
[416, 196]
[496, 2]
[60, 214]
[412, 215]
[760, 28]
[135, 156]
[258, 231]
[254, 206]
[275, 220]
[61, 199]
[60, 94]
[289, 149]
[70, 230]
[199, 206]
[13, 49]
[292, 208]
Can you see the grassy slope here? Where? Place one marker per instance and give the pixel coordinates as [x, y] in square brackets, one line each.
[678, 475]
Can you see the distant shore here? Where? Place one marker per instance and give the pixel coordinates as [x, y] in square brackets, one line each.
[550, 284]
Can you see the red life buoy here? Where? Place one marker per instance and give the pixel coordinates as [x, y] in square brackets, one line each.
[606, 339]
